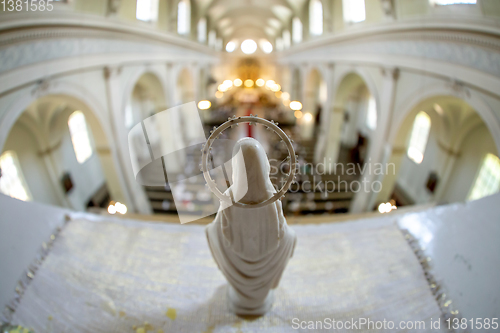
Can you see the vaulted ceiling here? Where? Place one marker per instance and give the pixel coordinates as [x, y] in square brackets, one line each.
[237, 19]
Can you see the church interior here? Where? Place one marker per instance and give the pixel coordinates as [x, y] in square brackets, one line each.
[380, 120]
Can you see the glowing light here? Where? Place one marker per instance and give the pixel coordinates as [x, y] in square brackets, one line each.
[298, 114]
[248, 46]
[278, 94]
[204, 105]
[219, 94]
[386, 207]
[270, 84]
[286, 102]
[237, 82]
[225, 86]
[248, 83]
[266, 46]
[230, 47]
[308, 117]
[120, 208]
[295, 105]
[112, 209]
[117, 207]
[260, 82]
[276, 87]
[285, 95]
[381, 208]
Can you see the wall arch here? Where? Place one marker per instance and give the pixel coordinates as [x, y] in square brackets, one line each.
[336, 114]
[470, 97]
[94, 112]
[134, 79]
[448, 142]
[367, 78]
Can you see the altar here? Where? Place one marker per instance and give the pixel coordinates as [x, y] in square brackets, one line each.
[117, 275]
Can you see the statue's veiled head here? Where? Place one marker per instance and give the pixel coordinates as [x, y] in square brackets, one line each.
[251, 183]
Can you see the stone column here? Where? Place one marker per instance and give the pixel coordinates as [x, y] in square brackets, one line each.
[172, 84]
[333, 136]
[397, 152]
[325, 121]
[116, 164]
[445, 170]
[379, 151]
[54, 172]
[196, 82]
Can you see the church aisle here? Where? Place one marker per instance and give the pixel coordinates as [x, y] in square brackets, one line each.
[117, 275]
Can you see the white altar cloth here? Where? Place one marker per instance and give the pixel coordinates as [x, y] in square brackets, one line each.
[126, 276]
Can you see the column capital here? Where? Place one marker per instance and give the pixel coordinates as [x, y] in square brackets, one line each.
[447, 150]
[42, 87]
[388, 8]
[391, 72]
[459, 88]
[111, 71]
[113, 7]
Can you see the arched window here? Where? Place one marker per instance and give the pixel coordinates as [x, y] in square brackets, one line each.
[315, 17]
[286, 39]
[353, 10]
[183, 17]
[80, 136]
[296, 30]
[12, 181]
[147, 10]
[418, 137]
[212, 38]
[488, 179]
[371, 113]
[202, 30]
[452, 2]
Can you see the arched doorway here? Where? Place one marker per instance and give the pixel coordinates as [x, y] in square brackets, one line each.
[146, 99]
[440, 164]
[353, 121]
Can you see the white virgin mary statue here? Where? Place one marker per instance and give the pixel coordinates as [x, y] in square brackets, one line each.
[251, 245]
